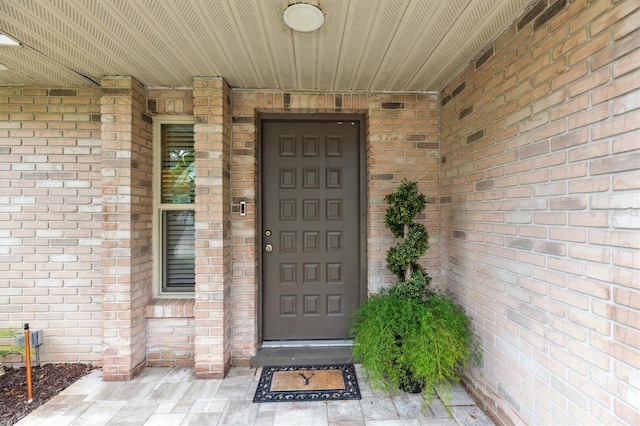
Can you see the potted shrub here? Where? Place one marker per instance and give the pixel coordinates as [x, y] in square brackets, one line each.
[410, 337]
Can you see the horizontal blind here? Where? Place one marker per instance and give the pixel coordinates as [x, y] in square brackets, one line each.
[178, 171]
[180, 259]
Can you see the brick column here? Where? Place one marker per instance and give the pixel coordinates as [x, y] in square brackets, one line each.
[212, 310]
[127, 160]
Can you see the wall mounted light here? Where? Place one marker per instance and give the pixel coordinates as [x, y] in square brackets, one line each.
[303, 17]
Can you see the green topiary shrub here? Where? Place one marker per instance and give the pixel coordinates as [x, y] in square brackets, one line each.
[409, 336]
[405, 204]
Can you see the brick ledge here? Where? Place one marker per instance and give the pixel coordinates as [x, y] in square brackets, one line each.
[169, 308]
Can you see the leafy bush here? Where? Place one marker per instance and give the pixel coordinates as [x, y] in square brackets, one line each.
[402, 340]
[6, 350]
[10, 349]
[409, 335]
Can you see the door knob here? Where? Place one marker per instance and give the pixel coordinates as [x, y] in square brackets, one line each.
[268, 248]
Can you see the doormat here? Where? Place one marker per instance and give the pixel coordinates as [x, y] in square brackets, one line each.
[307, 383]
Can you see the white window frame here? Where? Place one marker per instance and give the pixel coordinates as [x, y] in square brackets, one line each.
[159, 208]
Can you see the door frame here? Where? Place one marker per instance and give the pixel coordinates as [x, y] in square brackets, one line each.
[362, 172]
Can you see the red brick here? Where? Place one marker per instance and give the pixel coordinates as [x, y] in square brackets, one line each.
[615, 238]
[588, 321]
[626, 259]
[568, 172]
[571, 75]
[590, 116]
[589, 185]
[594, 45]
[593, 11]
[615, 350]
[619, 87]
[591, 219]
[626, 26]
[626, 278]
[565, 45]
[626, 181]
[573, 106]
[615, 164]
[590, 152]
[590, 82]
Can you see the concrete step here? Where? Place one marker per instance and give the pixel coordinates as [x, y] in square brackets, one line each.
[302, 356]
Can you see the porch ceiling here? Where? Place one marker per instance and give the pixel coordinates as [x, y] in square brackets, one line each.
[364, 45]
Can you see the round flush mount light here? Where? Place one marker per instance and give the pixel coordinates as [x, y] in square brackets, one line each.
[303, 17]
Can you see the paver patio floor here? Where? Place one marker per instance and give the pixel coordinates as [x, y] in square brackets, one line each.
[172, 396]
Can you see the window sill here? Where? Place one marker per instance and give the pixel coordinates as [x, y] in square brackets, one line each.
[169, 308]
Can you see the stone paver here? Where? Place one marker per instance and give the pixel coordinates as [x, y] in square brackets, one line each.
[470, 415]
[172, 396]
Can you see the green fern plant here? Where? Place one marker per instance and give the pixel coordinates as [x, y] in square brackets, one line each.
[14, 348]
[6, 350]
[410, 335]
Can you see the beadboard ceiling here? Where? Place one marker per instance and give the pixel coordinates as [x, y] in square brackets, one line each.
[364, 45]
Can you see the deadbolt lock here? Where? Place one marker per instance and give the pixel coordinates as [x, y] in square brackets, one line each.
[268, 248]
[267, 233]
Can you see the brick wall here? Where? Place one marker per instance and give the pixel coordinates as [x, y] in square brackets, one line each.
[170, 101]
[127, 202]
[540, 205]
[212, 134]
[534, 225]
[402, 138]
[402, 143]
[170, 333]
[50, 218]
[170, 322]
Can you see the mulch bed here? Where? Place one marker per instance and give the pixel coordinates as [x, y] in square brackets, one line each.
[46, 382]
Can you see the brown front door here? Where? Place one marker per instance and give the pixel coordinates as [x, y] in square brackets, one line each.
[311, 228]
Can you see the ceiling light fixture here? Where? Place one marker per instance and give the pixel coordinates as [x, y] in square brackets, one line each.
[5, 40]
[303, 17]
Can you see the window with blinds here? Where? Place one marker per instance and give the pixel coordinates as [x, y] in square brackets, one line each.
[177, 209]
[178, 172]
[179, 250]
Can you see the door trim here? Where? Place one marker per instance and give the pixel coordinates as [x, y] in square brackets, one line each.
[335, 343]
[362, 165]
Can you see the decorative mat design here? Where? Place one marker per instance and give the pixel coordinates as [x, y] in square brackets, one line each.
[307, 383]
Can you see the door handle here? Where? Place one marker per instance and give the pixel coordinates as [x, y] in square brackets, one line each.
[268, 248]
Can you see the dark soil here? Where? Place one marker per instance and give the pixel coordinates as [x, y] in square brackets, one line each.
[46, 382]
